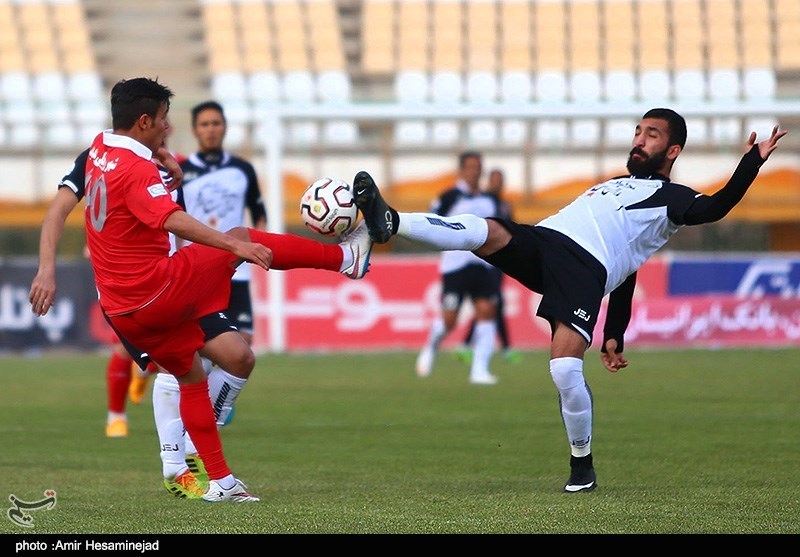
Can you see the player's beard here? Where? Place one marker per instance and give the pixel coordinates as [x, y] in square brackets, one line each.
[647, 167]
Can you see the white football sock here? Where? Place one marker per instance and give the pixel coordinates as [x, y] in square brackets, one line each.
[190, 448]
[208, 365]
[461, 232]
[484, 339]
[116, 416]
[436, 334]
[224, 389]
[575, 400]
[167, 414]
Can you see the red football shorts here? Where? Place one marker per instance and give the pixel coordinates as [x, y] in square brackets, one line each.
[167, 328]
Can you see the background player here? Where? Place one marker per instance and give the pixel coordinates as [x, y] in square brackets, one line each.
[465, 275]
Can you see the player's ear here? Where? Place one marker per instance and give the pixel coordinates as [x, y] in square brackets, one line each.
[673, 151]
[144, 122]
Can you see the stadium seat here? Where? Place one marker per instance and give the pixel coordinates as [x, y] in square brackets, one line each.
[61, 135]
[411, 88]
[618, 132]
[585, 87]
[227, 86]
[24, 135]
[516, 87]
[724, 86]
[414, 132]
[263, 92]
[690, 85]
[20, 110]
[446, 90]
[84, 86]
[482, 132]
[655, 86]
[759, 84]
[50, 92]
[235, 135]
[514, 132]
[298, 87]
[482, 88]
[340, 132]
[551, 87]
[447, 87]
[619, 86]
[333, 86]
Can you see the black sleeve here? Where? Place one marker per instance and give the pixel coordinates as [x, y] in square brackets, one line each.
[446, 201]
[712, 208]
[76, 179]
[619, 313]
[180, 198]
[253, 199]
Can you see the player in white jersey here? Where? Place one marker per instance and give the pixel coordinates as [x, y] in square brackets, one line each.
[465, 275]
[591, 248]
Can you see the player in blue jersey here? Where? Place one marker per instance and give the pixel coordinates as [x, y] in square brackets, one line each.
[593, 247]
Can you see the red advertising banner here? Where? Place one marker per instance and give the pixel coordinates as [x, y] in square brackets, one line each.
[393, 306]
[715, 321]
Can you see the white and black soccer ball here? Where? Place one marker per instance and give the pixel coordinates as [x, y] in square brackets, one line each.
[328, 207]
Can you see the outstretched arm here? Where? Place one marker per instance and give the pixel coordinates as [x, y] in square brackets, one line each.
[187, 227]
[712, 208]
[43, 288]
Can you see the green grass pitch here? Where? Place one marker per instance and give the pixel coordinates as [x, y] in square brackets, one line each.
[692, 441]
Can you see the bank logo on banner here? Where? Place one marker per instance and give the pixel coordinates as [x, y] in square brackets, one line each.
[16, 315]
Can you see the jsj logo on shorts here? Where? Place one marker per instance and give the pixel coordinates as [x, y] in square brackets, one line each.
[581, 314]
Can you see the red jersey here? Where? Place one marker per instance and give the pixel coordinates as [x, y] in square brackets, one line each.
[126, 206]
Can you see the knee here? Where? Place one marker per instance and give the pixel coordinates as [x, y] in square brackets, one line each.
[241, 363]
[567, 373]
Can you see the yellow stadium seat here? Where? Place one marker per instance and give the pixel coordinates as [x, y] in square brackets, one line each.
[377, 45]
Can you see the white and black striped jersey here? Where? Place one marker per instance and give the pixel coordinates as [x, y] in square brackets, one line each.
[623, 221]
[217, 190]
[458, 201]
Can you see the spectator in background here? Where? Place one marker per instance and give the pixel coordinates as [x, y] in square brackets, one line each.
[465, 275]
[495, 189]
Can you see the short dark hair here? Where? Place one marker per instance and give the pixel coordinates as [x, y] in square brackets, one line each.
[468, 155]
[675, 122]
[206, 105]
[130, 98]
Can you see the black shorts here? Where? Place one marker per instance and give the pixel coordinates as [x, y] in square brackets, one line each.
[475, 281]
[213, 325]
[240, 308]
[570, 279]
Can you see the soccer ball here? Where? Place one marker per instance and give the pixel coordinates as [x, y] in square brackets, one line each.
[328, 208]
